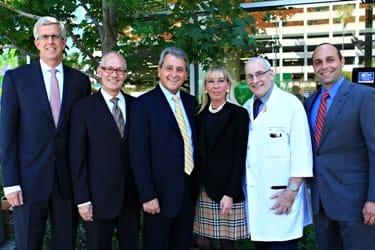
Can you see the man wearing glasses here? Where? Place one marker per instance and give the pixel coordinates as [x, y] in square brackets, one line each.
[104, 189]
[279, 157]
[36, 103]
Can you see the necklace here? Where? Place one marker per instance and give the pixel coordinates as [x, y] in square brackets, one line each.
[215, 110]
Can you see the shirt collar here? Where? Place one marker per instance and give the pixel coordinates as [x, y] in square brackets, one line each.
[265, 98]
[167, 93]
[107, 97]
[334, 88]
[46, 68]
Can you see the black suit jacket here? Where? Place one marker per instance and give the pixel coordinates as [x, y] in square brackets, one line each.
[33, 152]
[222, 164]
[99, 158]
[157, 149]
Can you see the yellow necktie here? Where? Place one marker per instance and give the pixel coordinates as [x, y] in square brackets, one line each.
[188, 151]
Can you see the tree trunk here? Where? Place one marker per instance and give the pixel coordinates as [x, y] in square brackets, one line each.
[368, 36]
[109, 21]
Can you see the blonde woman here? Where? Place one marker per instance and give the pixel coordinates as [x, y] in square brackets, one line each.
[222, 141]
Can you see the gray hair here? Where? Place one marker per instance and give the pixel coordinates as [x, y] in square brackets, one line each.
[177, 52]
[104, 58]
[260, 60]
[47, 20]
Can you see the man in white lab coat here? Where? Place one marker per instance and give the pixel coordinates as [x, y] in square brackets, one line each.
[279, 157]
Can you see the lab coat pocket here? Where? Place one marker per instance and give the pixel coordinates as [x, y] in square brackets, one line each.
[276, 144]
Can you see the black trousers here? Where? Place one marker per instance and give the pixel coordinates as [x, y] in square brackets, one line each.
[31, 218]
[165, 233]
[99, 233]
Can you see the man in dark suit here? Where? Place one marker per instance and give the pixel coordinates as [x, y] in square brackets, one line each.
[341, 120]
[36, 104]
[103, 185]
[162, 135]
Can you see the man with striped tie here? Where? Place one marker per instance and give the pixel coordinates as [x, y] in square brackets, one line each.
[103, 184]
[342, 121]
[162, 137]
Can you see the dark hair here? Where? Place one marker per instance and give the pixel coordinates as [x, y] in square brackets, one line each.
[337, 49]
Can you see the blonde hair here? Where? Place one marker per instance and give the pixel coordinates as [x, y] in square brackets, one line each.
[216, 70]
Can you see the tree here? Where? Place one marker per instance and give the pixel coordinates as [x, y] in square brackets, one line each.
[210, 31]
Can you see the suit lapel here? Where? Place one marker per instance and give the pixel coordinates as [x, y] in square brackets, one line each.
[165, 109]
[40, 90]
[127, 108]
[335, 109]
[107, 115]
[67, 85]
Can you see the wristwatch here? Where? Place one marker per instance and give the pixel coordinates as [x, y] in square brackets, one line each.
[294, 187]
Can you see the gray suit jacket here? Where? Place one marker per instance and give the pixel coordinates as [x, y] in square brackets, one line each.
[344, 161]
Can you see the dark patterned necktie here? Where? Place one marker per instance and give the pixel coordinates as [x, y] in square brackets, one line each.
[256, 107]
[117, 115]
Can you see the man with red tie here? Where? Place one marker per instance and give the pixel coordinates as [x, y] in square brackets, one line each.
[343, 191]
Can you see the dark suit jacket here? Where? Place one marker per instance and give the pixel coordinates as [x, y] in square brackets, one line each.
[157, 149]
[223, 164]
[99, 158]
[344, 161]
[34, 152]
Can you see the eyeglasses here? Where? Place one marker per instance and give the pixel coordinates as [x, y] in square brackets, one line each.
[110, 70]
[259, 75]
[47, 37]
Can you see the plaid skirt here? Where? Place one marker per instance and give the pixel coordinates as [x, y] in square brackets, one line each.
[210, 223]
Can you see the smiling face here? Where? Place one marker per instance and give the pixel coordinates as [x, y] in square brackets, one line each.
[217, 87]
[259, 78]
[172, 73]
[51, 46]
[327, 65]
[112, 73]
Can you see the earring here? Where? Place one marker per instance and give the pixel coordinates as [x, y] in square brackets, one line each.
[205, 91]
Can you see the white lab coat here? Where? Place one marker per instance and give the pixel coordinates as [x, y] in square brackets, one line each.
[279, 147]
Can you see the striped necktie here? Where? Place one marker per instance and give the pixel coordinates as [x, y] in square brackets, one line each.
[117, 115]
[320, 118]
[188, 151]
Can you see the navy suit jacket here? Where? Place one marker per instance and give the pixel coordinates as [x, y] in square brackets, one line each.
[33, 152]
[157, 149]
[344, 161]
[99, 158]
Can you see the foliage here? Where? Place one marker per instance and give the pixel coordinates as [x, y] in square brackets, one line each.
[210, 31]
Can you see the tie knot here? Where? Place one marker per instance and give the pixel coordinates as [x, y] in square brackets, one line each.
[115, 100]
[325, 95]
[257, 101]
[176, 98]
[53, 71]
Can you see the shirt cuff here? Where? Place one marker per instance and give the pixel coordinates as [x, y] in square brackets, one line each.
[84, 204]
[12, 189]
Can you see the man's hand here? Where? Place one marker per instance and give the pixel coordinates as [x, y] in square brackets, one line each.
[369, 213]
[15, 198]
[284, 201]
[226, 204]
[152, 206]
[86, 212]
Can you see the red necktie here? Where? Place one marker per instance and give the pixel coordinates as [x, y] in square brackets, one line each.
[319, 123]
